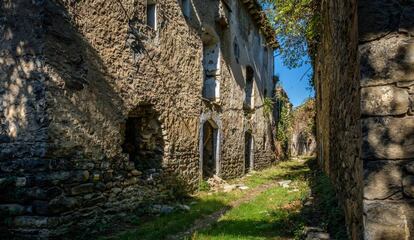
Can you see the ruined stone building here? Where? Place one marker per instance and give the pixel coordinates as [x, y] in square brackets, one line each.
[107, 106]
[364, 77]
[283, 109]
[303, 142]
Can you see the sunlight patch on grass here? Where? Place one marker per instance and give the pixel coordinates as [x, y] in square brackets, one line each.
[272, 214]
[288, 170]
[268, 216]
[173, 223]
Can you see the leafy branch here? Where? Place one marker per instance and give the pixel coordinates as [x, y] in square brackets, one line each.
[296, 23]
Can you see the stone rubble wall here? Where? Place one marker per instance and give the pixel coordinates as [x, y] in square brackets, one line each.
[387, 108]
[72, 72]
[303, 141]
[235, 121]
[23, 117]
[337, 99]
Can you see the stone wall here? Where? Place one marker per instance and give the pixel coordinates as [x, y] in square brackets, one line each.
[387, 94]
[23, 117]
[77, 76]
[337, 99]
[383, 146]
[303, 140]
[282, 130]
[234, 118]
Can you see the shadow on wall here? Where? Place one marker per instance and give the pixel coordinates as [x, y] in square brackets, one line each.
[143, 139]
[387, 76]
[59, 135]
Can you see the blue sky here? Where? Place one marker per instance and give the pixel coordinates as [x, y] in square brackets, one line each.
[298, 90]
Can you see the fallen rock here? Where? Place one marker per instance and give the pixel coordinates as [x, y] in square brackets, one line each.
[285, 183]
[136, 173]
[313, 233]
[216, 183]
[229, 188]
[183, 207]
[166, 209]
[317, 236]
[161, 209]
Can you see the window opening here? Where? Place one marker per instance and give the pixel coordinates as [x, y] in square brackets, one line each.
[249, 100]
[152, 14]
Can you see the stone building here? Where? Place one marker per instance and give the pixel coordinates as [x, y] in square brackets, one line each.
[303, 141]
[107, 106]
[281, 130]
[365, 103]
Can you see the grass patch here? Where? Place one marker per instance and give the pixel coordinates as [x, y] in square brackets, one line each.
[274, 214]
[280, 213]
[326, 205]
[288, 170]
[203, 186]
[277, 213]
[164, 225]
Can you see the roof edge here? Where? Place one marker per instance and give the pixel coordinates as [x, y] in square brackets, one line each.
[259, 16]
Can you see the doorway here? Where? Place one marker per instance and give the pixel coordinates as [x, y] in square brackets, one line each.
[248, 152]
[210, 144]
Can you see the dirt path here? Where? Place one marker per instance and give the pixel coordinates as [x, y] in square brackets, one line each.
[207, 221]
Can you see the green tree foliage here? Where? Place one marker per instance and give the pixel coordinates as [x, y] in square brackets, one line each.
[296, 23]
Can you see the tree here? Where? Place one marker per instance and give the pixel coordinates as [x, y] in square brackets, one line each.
[296, 23]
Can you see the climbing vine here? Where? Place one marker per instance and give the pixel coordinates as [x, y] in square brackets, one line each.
[267, 106]
[284, 123]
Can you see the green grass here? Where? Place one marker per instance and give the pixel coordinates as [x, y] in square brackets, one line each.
[160, 227]
[276, 213]
[279, 213]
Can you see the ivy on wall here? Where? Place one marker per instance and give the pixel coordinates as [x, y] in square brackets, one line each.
[284, 122]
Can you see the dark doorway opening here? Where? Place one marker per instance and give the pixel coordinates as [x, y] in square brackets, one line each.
[209, 150]
[143, 139]
[248, 152]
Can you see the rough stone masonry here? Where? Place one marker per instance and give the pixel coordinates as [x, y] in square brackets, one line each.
[111, 106]
[364, 80]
